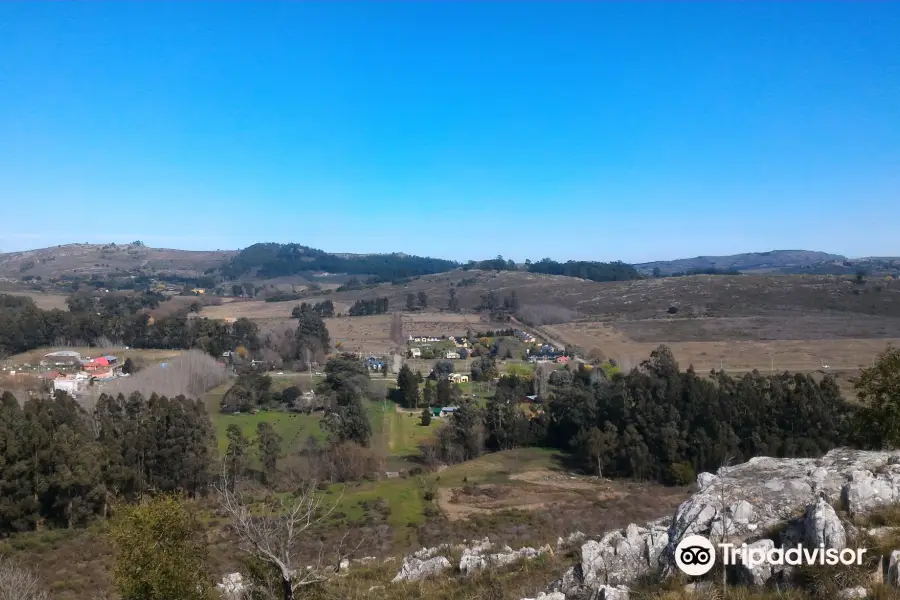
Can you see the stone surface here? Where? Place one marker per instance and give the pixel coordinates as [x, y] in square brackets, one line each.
[476, 558]
[892, 578]
[757, 575]
[622, 556]
[853, 593]
[698, 588]
[415, 569]
[550, 596]
[232, 587]
[776, 489]
[823, 527]
[610, 592]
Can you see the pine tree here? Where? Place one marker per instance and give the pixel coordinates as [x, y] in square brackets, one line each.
[269, 448]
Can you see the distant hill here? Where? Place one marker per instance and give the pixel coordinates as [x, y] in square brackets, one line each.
[776, 261]
[264, 261]
[102, 259]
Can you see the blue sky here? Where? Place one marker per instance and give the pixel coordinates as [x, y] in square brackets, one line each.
[602, 131]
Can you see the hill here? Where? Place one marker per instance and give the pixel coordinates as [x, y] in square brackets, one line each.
[776, 260]
[103, 259]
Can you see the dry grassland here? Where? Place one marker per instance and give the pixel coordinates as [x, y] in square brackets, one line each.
[373, 334]
[260, 310]
[736, 355]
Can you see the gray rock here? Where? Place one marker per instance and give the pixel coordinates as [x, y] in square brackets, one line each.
[232, 587]
[609, 592]
[345, 565]
[823, 527]
[704, 480]
[866, 490]
[757, 575]
[893, 571]
[570, 582]
[621, 557]
[550, 596]
[415, 569]
[853, 593]
[776, 489]
[476, 558]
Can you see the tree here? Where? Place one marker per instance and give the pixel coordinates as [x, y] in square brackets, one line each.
[407, 388]
[410, 301]
[268, 444]
[453, 303]
[428, 394]
[279, 536]
[597, 446]
[484, 368]
[160, 552]
[442, 369]
[236, 451]
[128, 366]
[423, 300]
[877, 422]
[426, 417]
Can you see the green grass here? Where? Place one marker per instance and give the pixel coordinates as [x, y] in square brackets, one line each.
[404, 431]
[293, 428]
[498, 466]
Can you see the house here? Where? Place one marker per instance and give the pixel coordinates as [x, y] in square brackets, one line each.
[562, 359]
[198, 291]
[71, 384]
[415, 353]
[98, 364]
[447, 410]
[451, 354]
[458, 377]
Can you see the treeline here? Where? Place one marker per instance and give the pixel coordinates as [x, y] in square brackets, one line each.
[656, 422]
[323, 309]
[593, 271]
[24, 326]
[277, 260]
[376, 306]
[62, 465]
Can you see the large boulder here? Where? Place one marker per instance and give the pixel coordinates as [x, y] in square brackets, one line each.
[823, 527]
[612, 592]
[550, 596]
[622, 556]
[746, 499]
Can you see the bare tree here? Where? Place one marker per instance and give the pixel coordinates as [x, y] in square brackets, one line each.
[282, 533]
[17, 583]
[540, 378]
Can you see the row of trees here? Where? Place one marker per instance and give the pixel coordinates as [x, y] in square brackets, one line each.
[61, 464]
[657, 422]
[376, 306]
[594, 271]
[24, 326]
[324, 309]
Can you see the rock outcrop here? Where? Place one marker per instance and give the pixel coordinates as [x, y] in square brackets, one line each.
[622, 556]
[822, 527]
[477, 557]
[764, 492]
[416, 569]
[232, 587]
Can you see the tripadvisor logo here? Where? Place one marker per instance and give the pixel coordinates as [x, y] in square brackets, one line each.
[695, 555]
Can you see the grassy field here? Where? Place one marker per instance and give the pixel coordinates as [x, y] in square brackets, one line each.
[736, 355]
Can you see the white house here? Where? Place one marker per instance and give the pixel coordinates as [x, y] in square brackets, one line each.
[415, 353]
[451, 354]
[458, 378]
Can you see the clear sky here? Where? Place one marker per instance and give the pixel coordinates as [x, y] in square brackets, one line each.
[619, 130]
